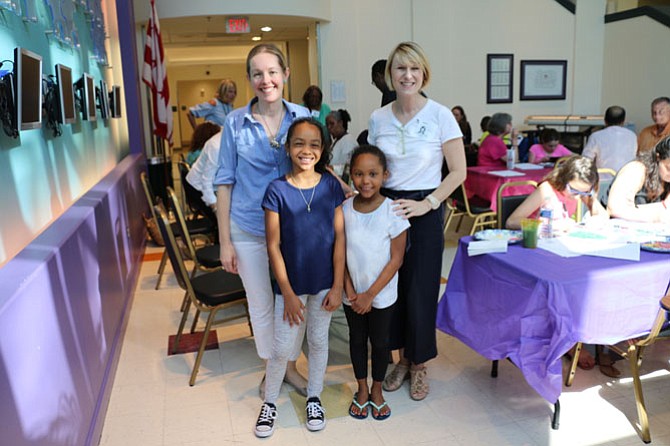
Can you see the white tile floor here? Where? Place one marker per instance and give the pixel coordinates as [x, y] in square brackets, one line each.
[152, 403]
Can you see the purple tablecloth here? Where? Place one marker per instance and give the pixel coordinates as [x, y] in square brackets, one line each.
[531, 306]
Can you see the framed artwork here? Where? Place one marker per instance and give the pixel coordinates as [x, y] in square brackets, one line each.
[543, 80]
[499, 78]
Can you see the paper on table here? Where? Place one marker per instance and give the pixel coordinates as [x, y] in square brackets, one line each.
[476, 248]
[573, 247]
[506, 173]
[528, 166]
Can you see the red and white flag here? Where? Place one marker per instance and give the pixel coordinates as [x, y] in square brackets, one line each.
[154, 74]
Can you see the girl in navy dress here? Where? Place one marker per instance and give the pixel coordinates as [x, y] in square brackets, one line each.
[304, 228]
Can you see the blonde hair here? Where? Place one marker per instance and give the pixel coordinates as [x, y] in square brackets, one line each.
[224, 86]
[408, 52]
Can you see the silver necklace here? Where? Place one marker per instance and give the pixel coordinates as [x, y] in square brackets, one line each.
[308, 203]
[273, 138]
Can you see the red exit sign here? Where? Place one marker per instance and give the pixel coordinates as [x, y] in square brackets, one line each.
[237, 25]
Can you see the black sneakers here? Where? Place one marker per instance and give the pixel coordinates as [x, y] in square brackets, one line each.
[316, 419]
[265, 425]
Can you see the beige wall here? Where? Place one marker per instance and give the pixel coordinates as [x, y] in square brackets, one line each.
[604, 61]
[636, 69]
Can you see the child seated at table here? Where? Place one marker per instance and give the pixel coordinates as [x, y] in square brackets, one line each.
[548, 149]
[574, 180]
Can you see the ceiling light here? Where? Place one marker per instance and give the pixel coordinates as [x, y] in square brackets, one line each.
[256, 38]
[266, 29]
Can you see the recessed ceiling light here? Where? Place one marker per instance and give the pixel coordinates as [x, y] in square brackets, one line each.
[256, 38]
[266, 29]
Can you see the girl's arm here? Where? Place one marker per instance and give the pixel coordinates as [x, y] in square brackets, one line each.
[621, 200]
[454, 153]
[528, 206]
[363, 303]
[293, 307]
[334, 297]
[349, 289]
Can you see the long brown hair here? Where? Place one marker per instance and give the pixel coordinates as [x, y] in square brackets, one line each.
[654, 186]
[574, 168]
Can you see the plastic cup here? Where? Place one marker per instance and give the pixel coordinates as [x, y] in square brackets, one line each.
[529, 229]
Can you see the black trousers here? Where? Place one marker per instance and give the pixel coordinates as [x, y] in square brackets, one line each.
[415, 312]
[374, 326]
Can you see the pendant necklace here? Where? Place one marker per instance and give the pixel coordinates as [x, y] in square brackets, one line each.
[308, 203]
[273, 138]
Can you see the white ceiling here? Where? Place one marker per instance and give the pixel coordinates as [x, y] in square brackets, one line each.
[203, 39]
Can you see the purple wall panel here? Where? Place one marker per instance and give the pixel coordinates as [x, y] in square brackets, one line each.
[63, 310]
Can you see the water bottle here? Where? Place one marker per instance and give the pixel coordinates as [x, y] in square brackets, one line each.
[546, 219]
[510, 158]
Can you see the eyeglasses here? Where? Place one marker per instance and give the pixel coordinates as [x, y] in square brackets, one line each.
[574, 191]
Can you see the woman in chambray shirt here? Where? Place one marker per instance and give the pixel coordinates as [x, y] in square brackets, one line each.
[252, 155]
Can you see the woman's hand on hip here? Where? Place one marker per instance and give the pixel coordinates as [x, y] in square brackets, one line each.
[411, 208]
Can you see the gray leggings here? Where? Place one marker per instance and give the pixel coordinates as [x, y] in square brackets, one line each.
[287, 339]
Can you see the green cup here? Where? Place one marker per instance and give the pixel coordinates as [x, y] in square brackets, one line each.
[529, 229]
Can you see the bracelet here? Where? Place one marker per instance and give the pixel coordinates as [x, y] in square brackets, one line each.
[434, 202]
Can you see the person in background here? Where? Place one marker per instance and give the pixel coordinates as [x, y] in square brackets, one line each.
[379, 81]
[576, 179]
[343, 144]
[416, 133]
[660, 114]
[201, 134]
[216, 109]
[313, 100]
[613, 146]
[641, 189]
[202, 172]
[252, 155]
[549, 148]
[463, 123]
[493, 151]
[483, 125]
[306, 246]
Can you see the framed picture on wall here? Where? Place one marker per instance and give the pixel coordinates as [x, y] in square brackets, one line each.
[499, 78]
[543, 80]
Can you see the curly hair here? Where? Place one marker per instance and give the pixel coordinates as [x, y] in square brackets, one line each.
[202, 133]
[325, 148]
[369, 149]
[576, 167]
[654, 186]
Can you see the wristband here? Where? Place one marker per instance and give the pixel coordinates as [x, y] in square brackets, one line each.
[434, 202]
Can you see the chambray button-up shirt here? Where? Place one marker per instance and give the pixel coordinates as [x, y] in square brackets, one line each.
[249, 163]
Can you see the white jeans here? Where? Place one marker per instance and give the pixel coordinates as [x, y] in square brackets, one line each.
[289, 339]
[253, 266]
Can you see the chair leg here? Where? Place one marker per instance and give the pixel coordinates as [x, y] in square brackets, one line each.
[177, 338]
[494, 368]
[184, 301]
[201, 350]
[573, 365]
[161, 268]
[195, 320]
[460, 221]
[634, 355]
[555, 420]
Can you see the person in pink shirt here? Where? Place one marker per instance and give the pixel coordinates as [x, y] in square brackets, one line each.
[549, 148]
[493, 151]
